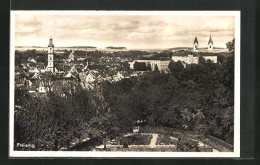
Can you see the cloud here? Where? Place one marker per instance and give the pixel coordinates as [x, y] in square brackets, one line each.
[130, 31]
[125, 25]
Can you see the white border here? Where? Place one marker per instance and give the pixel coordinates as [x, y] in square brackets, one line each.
[66, 154]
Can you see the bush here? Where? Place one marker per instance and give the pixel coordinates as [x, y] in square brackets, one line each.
[162, 139]
[187, 145]
[159, 130]
[137, 139]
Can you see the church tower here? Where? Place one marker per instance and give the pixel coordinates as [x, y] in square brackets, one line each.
[195, 44]
[210, 44]
[50, 66]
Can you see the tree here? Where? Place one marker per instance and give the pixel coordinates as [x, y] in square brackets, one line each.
[156, 68]
[125, 66]
[52, 122]
[202, 60]
[176, 67]
[221, 58]
[231, 45]
[140, 66]
[148, 67]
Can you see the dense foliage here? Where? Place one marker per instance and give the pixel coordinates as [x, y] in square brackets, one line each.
[198, 98]
[187, 145]
[47, 120]
[141, 66]
[136, 139]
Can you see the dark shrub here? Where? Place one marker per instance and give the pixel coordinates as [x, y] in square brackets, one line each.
[187, 145]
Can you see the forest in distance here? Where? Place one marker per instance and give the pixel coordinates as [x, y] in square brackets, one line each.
[198, 98]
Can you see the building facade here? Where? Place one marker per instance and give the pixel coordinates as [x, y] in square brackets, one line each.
[162, 65]
[189, 59]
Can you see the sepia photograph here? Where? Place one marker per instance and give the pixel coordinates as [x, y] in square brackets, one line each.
[124, 84]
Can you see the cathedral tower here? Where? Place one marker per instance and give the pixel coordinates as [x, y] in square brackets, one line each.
[50, 66]
[210, 44]
[195, 44]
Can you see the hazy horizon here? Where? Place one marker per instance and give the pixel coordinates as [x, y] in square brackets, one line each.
[130, 31]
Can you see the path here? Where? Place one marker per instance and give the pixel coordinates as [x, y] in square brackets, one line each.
[153, 140]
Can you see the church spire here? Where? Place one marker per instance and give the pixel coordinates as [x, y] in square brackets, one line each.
[195, 44]
[210, 40]
[196, 40]
[210, 44]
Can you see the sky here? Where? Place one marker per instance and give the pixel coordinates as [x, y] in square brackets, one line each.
[131, 31]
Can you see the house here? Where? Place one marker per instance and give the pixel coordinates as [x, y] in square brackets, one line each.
[32, 60]
[90, 78]
[131, 64]
[136, 129]
[42, 87]
[34, 70]
[69, 75]
[118, 77]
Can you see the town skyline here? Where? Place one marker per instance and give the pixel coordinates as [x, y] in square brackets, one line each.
[130, 31]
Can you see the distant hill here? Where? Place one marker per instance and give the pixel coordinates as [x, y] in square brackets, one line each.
[79, 47]
[178, 48]
[112, 47]
[29, 47]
